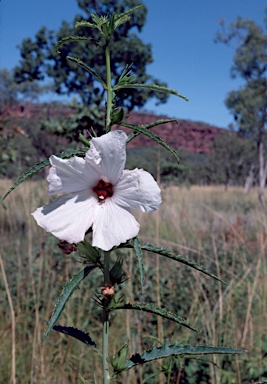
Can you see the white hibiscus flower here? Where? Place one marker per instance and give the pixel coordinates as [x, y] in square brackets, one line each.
[100, 194]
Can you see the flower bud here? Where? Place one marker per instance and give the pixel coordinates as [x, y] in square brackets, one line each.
[118, 361]
[107, 291]
[66, 247]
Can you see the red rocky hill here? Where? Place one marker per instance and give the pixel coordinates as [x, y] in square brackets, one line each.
[185, 134]
[189, 135]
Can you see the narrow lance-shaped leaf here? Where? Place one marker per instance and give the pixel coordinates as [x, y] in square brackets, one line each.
[138, 253]
[151, 308]
[84, 23]
[133, 135]
[68, 290]
[37, 167]
[167, 350]
[152, 136]
[77, 334]
[123, 17]
[72, 39]
[89, 69]
[151, 87]
[176, 257]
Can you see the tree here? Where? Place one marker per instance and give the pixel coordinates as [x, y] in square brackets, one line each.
[249, 103]
[230, 159]
[40, 61]
[11, 92]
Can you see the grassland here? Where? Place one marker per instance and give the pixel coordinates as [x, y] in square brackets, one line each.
[224, 231]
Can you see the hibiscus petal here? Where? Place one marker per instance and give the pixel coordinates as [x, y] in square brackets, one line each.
[137, 189]
[71, 175]
[107, 155]
[68, 217]
[113, 225]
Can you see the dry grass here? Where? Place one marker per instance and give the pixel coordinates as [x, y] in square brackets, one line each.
[224, 231]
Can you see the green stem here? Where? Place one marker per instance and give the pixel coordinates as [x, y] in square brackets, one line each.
[109, 88]
[105, 323]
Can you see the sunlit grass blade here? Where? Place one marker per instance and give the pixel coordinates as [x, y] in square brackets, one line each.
[176, 257]
[68, 290]
[153, 136]
[133, 135]
[150, 87]
[37, 167]
[83, 380]
[151, 308]
[138, 253]
[77, 334]
[167, 350]
[89, 69]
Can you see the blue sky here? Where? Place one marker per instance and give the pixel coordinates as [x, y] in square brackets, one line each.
[182, 36]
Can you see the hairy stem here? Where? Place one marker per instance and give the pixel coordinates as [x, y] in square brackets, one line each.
[105, 323]
[109, 89]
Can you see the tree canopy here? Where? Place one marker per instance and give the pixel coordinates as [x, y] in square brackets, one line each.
[39, 60]
[248, 104]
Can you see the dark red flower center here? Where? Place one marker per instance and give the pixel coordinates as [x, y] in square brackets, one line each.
[103, 190]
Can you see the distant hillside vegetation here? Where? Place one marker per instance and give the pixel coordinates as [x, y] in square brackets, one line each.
[192, 136]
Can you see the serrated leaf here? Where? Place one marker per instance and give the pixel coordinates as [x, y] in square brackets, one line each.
[84, 23]
[151, 308]
[151, 87]
[37, 167]
[167, 350]
[89, 69]
[123, 17]
[138, 254]
[71, 39]
[68, 290]
[76, 333]
[133, 135]
[176, 257]
[126, 73]
[152, 136]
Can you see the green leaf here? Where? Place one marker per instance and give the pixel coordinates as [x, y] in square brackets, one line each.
[68, 290]
[176, 257]
[133, 135]
[138, 253]
[84, 140]
[153, 136]
[123, 17]
[89, 69]
[71, 39]
[91, 253]
[37, 167]
[125, 77]
[151, 87]
[84, 23]
[77, 334]
[118, 361]
[167, 350]
[151, 308]
[117, 275]
[100, 23]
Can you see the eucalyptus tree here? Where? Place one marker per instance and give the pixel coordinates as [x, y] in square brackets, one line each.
[248, 104]
[40, 61]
